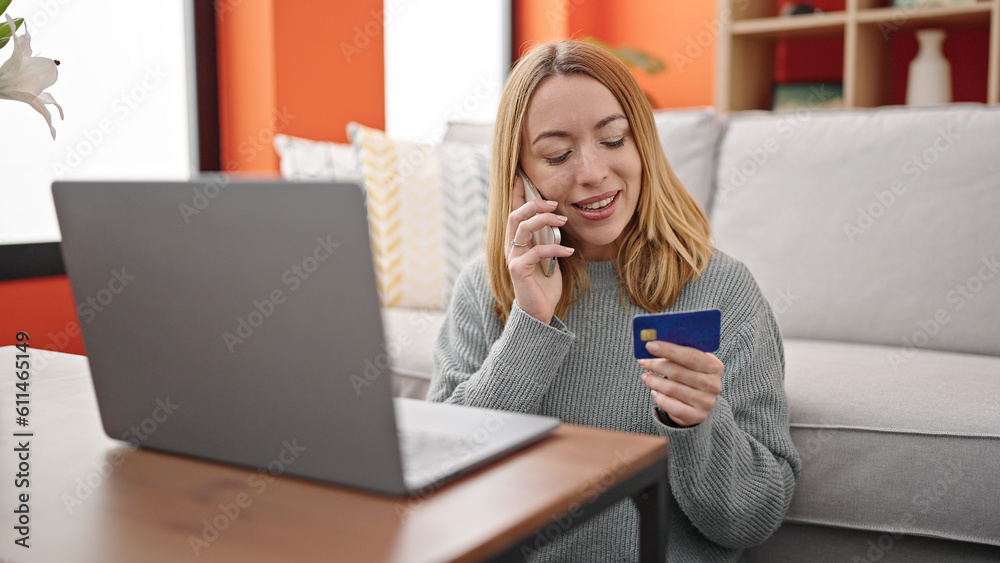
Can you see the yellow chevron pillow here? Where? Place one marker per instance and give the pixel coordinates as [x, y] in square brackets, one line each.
[426, 213]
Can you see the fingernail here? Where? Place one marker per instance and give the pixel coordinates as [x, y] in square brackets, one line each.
[553, 203]
[653, 392]
[652, 346]
[562, 217]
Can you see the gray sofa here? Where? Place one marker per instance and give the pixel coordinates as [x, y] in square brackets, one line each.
[875, 235]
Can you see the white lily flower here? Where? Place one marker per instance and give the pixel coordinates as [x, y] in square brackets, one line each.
[24, 78]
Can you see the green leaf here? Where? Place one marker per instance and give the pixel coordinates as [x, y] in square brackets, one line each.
[633, 58]
[5, 29]
[3, 6]
[641, 60]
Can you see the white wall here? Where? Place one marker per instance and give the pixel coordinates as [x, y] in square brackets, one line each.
[445, 60]
[123, 86]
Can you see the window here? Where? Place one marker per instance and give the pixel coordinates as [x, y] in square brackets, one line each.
[444, 61]
[125, 87]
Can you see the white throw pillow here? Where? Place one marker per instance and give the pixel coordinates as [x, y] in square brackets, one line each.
[303, 159]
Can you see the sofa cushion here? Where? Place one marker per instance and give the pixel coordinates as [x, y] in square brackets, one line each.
[468, 132]
[795, 543]
[914, 450]
[877, 226]
[690, 139]
[410, 335]
[426, 212]
[304, 159]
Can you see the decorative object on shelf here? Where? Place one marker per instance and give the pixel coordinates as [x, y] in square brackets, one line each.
[24, 78]
[807, 95]
[798, 9]
[929, 81]
[929, 3]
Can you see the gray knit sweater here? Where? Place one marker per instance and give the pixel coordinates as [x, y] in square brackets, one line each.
[732, 475]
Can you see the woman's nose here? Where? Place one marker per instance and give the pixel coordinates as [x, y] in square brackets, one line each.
[591, 167]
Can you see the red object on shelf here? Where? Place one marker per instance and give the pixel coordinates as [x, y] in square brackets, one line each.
[811, 60]
[824, 5]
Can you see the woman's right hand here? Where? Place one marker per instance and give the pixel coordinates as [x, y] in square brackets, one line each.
[535, 293]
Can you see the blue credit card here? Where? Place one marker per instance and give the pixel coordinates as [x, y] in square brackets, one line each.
[695, 329]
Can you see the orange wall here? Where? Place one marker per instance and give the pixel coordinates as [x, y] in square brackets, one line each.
[331, 66]
[246, 55]
[42, 307]
[300, 67]
[307, 68]
[539, 21]
[680, 32]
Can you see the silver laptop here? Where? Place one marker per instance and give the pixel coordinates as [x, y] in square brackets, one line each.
[239, 321]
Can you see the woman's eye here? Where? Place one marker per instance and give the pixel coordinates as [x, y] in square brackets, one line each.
[558, 159]
[615, 144]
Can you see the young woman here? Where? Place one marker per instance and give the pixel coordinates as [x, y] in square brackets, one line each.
[634, 241]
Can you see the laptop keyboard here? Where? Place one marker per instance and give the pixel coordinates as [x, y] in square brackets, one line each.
[435, 454]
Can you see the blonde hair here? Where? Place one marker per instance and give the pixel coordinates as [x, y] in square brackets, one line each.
[664, 245]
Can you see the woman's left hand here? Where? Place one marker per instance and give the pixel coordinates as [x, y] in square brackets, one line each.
[684, 382]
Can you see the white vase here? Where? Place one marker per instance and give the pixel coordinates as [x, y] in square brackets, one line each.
[929, 82]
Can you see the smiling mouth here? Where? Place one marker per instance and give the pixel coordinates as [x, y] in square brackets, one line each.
[597, 205]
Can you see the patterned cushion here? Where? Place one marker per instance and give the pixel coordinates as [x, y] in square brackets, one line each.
[426, 212]
[302, 159]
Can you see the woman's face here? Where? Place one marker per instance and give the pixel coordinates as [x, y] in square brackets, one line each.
[578, 149]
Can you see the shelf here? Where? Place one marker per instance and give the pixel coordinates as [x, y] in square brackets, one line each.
[755, 46]
[912, 18]
[782, 27]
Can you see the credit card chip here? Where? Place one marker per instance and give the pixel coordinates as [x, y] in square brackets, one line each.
[647, 334]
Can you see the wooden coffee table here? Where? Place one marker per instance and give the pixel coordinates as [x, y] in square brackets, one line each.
[96, 499]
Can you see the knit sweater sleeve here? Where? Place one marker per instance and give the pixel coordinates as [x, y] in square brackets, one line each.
[475, 368]
[733, 475]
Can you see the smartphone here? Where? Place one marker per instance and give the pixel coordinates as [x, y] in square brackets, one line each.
[545, 235]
